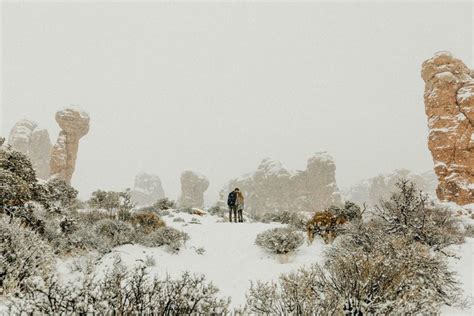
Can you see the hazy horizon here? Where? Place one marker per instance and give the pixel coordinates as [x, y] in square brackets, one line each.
[217, 87]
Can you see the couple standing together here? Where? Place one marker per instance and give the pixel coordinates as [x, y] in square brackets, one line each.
[235, 201]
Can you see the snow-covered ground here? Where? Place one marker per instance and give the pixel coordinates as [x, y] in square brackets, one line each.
[231, 259]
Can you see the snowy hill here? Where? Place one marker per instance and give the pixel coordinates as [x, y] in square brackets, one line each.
[231, 260]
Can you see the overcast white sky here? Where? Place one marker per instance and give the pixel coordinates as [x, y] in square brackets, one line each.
[217, 87]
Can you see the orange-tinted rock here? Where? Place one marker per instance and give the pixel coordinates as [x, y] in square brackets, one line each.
[74, 124]
[449, 105]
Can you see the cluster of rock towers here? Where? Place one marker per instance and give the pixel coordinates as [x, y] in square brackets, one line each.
[57, 161]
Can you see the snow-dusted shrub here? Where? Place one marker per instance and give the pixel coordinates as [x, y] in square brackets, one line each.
[366, 272]
[147, 221]
[59, 191]
[92, 216]
[218, 211]
[408, 214]
[165, 236]
[118, 203]
[179, 219]
[280, 240]
[24, 256]
[350, 211]
[117, 232]
[164, 204]
[124, 292]
[194, 221]
[469, 231]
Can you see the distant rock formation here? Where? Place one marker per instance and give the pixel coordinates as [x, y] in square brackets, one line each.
[273, 188]
[147, 189]
[34, 142]
[74, 124]
[371, 191]
[193, 186]
[449, 105]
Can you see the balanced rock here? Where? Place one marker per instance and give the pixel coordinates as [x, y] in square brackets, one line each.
[33, 141]
[74, 124]
[147, 189]
[193, 186]
[449, 105]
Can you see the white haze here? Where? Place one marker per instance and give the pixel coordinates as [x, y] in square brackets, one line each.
[217, 87]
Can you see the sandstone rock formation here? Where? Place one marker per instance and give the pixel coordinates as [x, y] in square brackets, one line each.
[272, 188]
[34, 142]
[147, 189]
[449, 105]
[74, 124]
[371, 191]
[193, 186]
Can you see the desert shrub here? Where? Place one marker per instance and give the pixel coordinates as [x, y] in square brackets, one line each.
[59, 191]
[24, 256]
[170, 237]
[469, 231]
[125, 293]
[119, 203]
[218, 211]
[147, 221]
[187, 210]
[92, 216]
[350, 211]
[179, 220]
[280, 240]
[117, 232]
[194, 221]
[164, 204]
[408, 214]
[366, 272]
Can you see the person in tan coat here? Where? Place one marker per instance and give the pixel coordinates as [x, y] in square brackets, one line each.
[240, 206]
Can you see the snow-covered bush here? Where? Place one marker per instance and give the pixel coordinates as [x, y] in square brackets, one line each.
[366, 272]
[218, 211]
[165, 236]
[178, 220]
[409, 214]
[116, 203]
[24, 255]
[147, 221]
[164, 204]
[280, 240]
[125, 293]
[61, 192]
[116, 231]
[350, 211]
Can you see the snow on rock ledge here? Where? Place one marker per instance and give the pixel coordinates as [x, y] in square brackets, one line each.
[449, 105]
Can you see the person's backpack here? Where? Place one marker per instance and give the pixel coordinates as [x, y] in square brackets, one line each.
[231, 198]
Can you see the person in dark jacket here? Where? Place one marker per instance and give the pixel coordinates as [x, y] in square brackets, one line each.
[231, 203]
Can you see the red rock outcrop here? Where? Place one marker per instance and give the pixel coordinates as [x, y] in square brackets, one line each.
[74, 124]
[449, 105]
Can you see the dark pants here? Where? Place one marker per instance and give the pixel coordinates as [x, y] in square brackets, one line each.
[239, 214]
[233, 209]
